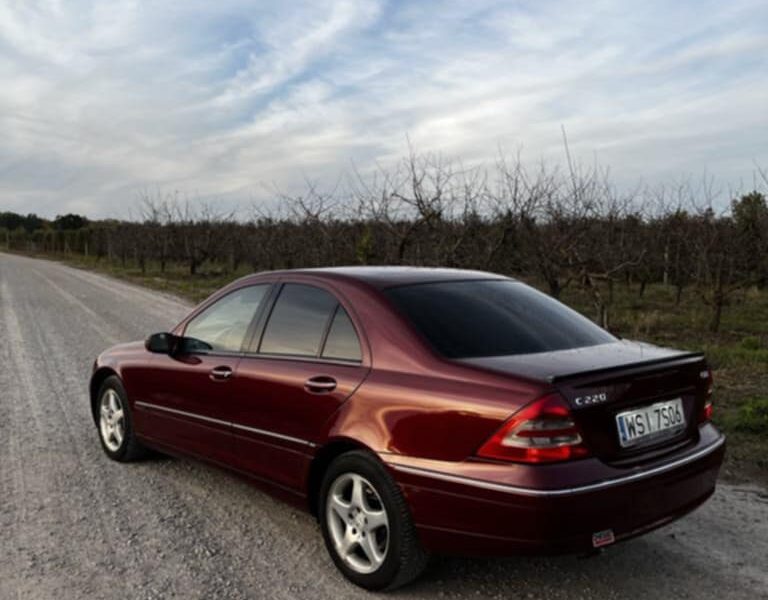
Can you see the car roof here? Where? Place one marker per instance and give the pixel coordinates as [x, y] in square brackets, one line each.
[384, 277]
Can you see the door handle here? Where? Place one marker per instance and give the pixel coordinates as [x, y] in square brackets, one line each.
[320, 385]
[221, 373]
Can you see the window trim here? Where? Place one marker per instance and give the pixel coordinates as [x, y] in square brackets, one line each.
[256, 331]
[326, 333]
[304, 358]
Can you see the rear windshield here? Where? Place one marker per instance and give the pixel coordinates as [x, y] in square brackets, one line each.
[468, 319]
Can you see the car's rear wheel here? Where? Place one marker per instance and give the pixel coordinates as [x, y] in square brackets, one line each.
[366, 524]
[115, 423]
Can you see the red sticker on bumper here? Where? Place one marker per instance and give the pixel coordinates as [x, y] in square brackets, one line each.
[602, 538]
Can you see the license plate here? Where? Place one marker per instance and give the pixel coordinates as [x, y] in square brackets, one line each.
[662, 419]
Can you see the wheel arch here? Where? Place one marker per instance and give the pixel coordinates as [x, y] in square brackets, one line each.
[320, 463]
[97, 379]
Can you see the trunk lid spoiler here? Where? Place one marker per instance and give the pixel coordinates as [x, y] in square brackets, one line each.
[638, 368]
[563, 365]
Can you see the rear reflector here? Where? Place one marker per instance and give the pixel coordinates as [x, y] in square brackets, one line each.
[706, 411]
[540, 432]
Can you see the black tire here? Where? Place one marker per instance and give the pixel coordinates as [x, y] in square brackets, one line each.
[405, 559]
[129, 449]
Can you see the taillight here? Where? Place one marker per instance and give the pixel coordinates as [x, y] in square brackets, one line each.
[542, 431]
[706, 411]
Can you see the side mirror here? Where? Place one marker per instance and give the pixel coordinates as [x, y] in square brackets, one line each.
[162, 343]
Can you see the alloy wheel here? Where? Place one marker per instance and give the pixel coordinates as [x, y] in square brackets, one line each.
[111, 420]
[358, 523]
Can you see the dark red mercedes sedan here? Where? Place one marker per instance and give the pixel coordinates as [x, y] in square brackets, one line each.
[421, 410]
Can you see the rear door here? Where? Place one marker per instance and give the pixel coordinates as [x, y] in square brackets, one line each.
[306, 358]
[188, 401]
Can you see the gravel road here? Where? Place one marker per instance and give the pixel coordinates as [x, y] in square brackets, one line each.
[74, 524]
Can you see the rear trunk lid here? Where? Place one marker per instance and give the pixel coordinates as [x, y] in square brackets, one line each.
[600, 382]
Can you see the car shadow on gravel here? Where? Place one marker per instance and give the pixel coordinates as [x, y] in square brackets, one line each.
[531, 576]
[656, 566]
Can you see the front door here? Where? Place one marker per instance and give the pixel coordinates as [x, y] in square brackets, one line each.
[188, 405]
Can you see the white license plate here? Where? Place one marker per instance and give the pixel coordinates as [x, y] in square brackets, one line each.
[662, 419]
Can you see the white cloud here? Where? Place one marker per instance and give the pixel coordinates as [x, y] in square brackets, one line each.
[102, 100]
[293, 41]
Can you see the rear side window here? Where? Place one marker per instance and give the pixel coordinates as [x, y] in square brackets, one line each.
[342, 342]
[467, 319]
[223, 325]
[298, 321]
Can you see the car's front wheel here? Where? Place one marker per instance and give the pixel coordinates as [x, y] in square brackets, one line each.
[366, 524]
[115, 424]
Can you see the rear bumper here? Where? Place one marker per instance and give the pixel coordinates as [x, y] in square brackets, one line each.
[498, 509]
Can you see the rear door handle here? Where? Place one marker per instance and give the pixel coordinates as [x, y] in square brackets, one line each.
[221, 373]
[320, 384]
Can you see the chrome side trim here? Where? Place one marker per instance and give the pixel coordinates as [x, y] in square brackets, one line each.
[510, 489]
[183, 413]
[279, 436]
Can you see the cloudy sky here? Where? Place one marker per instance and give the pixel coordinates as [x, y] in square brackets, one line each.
[228, 99]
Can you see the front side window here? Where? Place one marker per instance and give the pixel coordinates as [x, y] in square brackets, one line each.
[298, 321]
[470, 319]
[223, 325]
